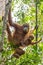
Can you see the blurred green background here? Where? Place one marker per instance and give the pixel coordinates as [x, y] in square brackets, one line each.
[24, 11]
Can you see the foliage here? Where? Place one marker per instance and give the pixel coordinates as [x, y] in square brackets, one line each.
[25, 11]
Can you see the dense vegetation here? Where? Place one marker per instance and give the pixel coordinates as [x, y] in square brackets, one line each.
[24, 11]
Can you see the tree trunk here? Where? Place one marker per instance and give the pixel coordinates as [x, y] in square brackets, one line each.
[7, 6]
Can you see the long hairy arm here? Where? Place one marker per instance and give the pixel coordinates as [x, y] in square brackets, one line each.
[9, 32]
[10, 20]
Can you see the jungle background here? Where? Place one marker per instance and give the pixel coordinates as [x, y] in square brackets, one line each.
[24, 11]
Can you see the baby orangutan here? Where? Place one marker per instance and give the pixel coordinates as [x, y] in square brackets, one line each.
[21, 36]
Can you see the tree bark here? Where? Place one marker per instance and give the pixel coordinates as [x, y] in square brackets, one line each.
[7, 6]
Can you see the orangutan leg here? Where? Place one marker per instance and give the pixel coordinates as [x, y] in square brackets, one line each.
[18, 52]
